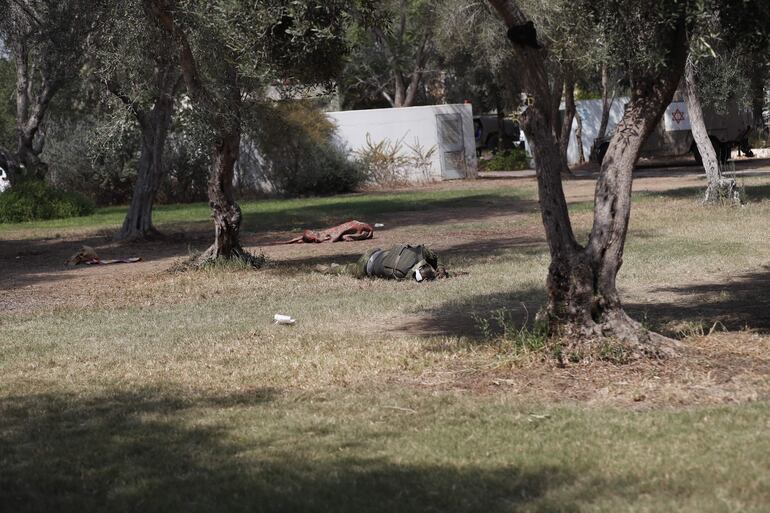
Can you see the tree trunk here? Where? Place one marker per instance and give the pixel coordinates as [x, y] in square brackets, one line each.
[138, 222]
[579, 138]
[224, 113]
[583, 301]
[399, 94]
[31, 110]
[566, 123]
[224, 210]
[607, 102]
[717, 188]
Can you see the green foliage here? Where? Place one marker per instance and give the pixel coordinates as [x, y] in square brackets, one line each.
[34, 200]
[187, 164]
[93, 155]
[296, 152]
[614, 351]
[7, 104]
[394, 39]
[508, 160]
[501, 330]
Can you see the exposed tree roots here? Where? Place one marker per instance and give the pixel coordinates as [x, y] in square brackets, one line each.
[237, 257]
[615, 337]
[724, 190]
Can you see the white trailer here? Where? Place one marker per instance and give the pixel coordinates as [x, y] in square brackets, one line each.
[444, 132]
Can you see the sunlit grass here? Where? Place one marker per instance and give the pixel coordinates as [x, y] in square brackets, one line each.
[178, 392]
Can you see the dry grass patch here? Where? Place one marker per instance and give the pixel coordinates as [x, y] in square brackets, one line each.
[133, 388]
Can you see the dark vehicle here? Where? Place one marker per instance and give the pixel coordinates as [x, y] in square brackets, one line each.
[672, 137]
[487, 132]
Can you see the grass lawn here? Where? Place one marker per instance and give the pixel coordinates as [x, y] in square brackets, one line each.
[175, 392]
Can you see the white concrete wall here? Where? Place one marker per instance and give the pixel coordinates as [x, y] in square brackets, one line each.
[408, 126]
[591, 114]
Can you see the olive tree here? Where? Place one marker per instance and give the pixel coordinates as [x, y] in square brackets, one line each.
[45, 39]
[134, 61]
[650, 37]
[725, 56]
[229, 51]
[393, 46]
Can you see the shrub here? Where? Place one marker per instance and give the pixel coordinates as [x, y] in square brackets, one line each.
[93, 157]
[33, 200]
[291, 148]
[508, 160]
[387, 163]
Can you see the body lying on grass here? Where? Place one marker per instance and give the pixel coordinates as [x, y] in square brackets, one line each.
[400, 262]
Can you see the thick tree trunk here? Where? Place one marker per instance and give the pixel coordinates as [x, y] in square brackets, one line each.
[224, 210]
[137, 224]
[566, 123]
[224, 113]
[583, 301]
[717, 188]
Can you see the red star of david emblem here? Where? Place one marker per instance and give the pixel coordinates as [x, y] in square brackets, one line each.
[678, 116]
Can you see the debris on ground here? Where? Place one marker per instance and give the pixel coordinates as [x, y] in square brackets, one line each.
[283, 319]
[87, 255]
[345, 232]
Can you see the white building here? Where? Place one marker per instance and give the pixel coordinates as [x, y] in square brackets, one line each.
[435, 142]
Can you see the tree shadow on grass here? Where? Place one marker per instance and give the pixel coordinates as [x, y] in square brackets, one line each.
[134, 452]
[477, 318]
[426, 210]
[738, 303]
[30, 261]
[451, 255]
[757, 192]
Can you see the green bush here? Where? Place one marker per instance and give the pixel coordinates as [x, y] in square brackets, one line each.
[323, 171]
[33, 200]
[508, 160]
[297, 152]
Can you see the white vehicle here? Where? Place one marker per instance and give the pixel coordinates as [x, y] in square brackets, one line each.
[672, 137]
[5, 184]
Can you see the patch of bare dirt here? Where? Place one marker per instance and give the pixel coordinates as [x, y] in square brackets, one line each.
[718, 369]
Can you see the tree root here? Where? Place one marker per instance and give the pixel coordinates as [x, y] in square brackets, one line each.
[725, 191]
[237, 258]
[615, 338]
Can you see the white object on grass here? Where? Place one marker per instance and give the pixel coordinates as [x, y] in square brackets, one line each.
[378, 225]
[283, 319]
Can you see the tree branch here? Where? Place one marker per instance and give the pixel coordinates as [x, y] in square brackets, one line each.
[139, 114]
[29, 12]
[196, 90]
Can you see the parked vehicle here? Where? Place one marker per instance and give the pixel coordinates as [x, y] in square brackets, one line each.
[672, 137]
[487, 132]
